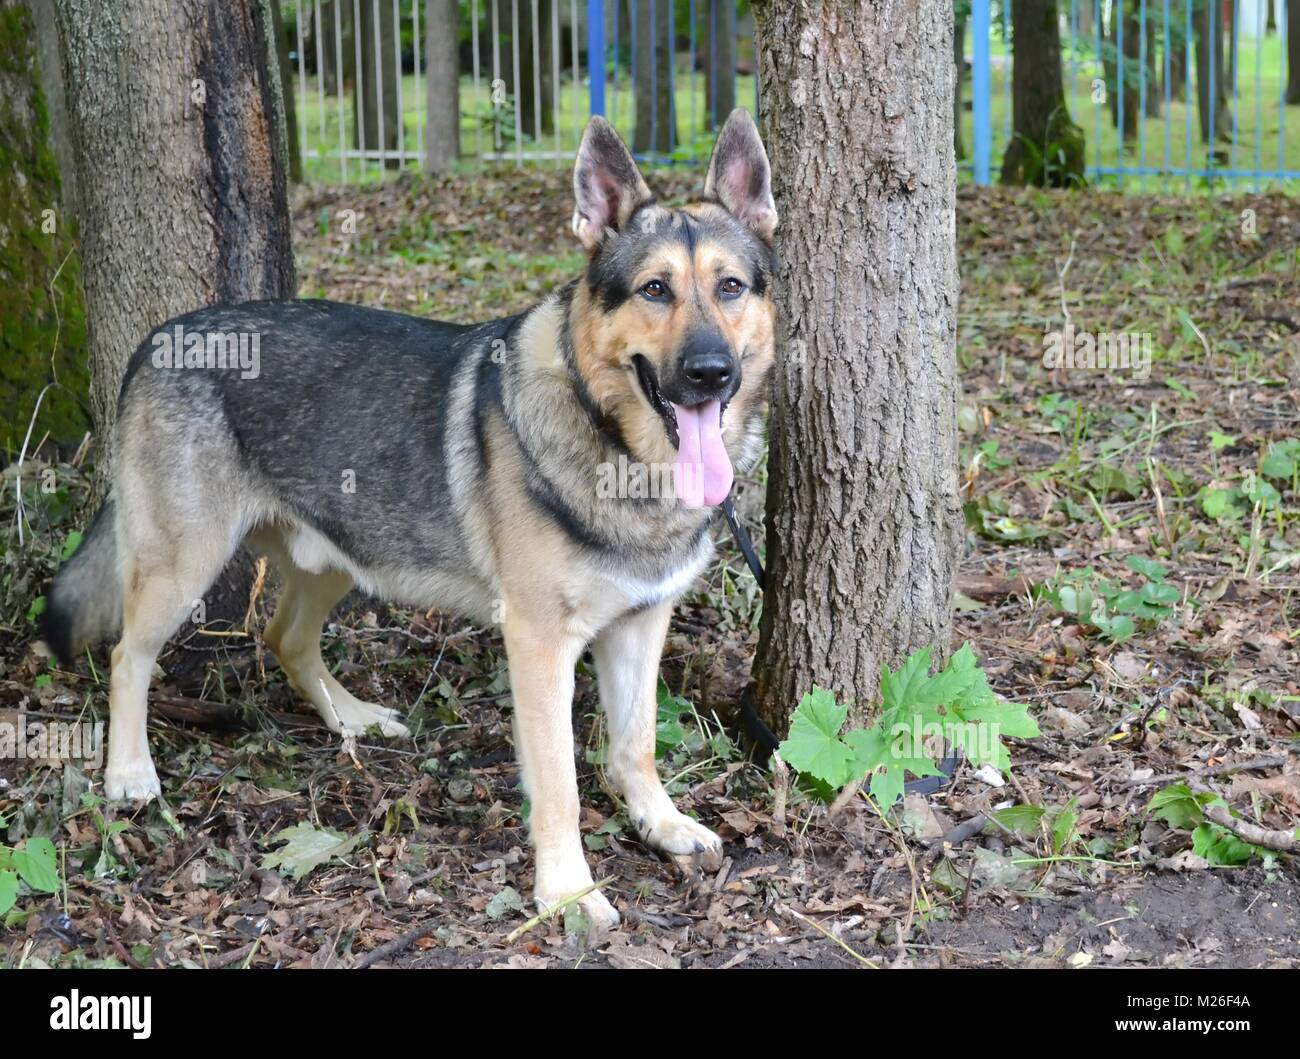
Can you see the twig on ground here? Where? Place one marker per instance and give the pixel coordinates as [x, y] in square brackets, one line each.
[1266, 761]
[781, 791]
[551, 913]
[398, 944]
[1278, 841]
[838, 941]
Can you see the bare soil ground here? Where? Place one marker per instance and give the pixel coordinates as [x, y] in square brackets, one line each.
[1066, 471]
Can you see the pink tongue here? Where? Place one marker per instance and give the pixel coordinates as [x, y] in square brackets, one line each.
[702, 474]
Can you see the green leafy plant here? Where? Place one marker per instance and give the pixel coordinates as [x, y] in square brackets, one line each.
[107, 864]
[1282, 462]
[1182, 808]
[34, 864]
[1235, 500]
[1115, 610]
[956, 703]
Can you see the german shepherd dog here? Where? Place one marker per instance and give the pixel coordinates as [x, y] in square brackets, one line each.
[460, 467]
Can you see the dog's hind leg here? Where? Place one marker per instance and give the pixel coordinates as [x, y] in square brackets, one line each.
[627, 667]
[294, 635]
[164, 574]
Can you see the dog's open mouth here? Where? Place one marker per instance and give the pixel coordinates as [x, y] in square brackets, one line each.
[702, 473]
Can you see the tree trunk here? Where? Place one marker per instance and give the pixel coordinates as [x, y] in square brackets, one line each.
[1209, 28]
[1293, 51]
[717, 33]
[534, 97]
[178, 127]
[656, 123]
[287, 93]
[1131, 46]
[1155, 100]
[374, 101]
[1046, 147]
[41, 339]
[337, 48]
[1177, 64]
[51, 72]
[863, 518]
[442, 77]
[959, 76]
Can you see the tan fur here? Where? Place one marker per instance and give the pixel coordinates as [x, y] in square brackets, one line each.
[604, 343]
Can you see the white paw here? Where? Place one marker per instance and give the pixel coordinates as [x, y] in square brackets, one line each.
[136, 781]
[353, 718]
[678, 835]
[602, 915]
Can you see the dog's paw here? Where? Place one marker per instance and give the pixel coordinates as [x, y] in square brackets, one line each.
[135, 781]
[678, 835]
[595, 906]
[355, 717]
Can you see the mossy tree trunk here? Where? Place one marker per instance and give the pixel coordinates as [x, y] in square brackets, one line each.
[42, 322]
[282, 49]
[1046, 147]
[863, 518]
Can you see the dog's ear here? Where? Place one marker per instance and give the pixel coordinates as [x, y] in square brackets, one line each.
[607, 186]
[740, 177]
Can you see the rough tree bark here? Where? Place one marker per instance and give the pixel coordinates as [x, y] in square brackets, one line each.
[176, 123]
[1046, 147]
[442, 76]
[863, 518]
[656, 124]
[178, 129]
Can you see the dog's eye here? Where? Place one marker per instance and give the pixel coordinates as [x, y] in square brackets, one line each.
[655, 290]
[731, 287]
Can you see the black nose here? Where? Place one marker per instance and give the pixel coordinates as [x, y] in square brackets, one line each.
[708, 371]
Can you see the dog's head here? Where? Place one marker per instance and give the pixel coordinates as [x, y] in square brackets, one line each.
[674, 322]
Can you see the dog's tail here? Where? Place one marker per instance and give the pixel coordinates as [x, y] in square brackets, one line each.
[84, 605]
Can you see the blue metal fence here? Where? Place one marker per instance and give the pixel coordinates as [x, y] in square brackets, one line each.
[1115, 73]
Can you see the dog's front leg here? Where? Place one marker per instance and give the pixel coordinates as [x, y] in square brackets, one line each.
[541, 678]
[627, 666]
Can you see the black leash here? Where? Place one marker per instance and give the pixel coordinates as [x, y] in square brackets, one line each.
[764, 738]
[744, 543]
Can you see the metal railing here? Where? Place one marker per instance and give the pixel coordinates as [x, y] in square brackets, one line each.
[666, 72]
[1147, 119]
